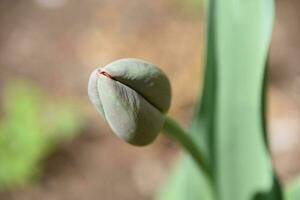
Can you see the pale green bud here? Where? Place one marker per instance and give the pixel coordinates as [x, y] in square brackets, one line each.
[133, 96]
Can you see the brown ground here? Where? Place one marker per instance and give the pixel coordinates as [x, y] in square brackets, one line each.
[284, 101]
[58, 45]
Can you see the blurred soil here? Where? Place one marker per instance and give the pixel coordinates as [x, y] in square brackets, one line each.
[284, 98]
[58, 43]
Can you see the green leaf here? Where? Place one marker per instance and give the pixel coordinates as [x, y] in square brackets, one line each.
[186, 182]
[242, 159]
[228, 123]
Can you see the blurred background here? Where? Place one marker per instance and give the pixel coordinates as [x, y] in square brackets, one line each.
[54, 145]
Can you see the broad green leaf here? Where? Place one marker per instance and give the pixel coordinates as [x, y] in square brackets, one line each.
[243, 166]
[186, 183]
[228, 123]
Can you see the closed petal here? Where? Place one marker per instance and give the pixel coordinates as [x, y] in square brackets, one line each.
[93, 92]
[128, 113]
[145, 78]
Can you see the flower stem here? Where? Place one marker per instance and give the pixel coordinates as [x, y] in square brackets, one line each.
[173, 130]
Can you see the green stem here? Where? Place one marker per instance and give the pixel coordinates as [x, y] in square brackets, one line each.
[173, 130]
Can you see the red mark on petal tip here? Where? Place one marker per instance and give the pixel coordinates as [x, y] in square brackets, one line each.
[101, 72]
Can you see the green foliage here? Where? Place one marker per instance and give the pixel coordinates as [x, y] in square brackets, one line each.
[187, 182]
[31, 128]
[228, 124]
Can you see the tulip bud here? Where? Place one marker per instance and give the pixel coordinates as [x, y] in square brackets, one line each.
[133, 96]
